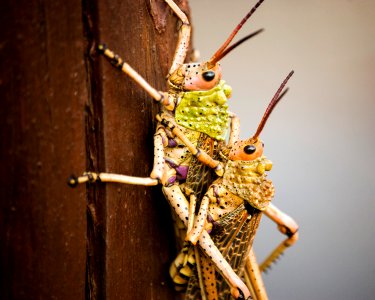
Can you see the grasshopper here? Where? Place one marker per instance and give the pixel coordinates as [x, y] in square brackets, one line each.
[231, 209]
[173, 162]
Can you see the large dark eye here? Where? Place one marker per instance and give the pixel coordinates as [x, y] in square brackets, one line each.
[249, 149]
[208, 75]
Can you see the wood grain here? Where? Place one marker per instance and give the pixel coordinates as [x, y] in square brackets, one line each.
[66, 110]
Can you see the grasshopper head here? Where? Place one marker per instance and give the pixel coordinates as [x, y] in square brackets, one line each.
[252, 148]
[201, 76]
[206, 75]
[196, 76]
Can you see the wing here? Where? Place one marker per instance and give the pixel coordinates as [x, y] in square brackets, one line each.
[233, 235]
[199, 176]
[234, 238]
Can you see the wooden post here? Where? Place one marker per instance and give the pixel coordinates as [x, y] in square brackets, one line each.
[66, 110]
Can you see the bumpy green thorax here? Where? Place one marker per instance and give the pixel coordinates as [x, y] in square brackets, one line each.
[247, 179]
[205, 111]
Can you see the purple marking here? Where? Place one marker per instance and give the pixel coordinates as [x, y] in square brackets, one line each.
[216, 193]
[172, 143]
[216, 190]
[171, 163]
[209, 218]
[182, 172]
[163, 139]
[215, 224]
[215, 227]
[171, 180]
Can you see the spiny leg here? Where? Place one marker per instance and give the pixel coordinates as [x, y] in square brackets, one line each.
[195, 232]
[192, 206]
[254, 278]
[210, 196]
[238, 289]
[160, 141]
[92, 177]
[180, 205]
[287, 226]
[183, 37]
[208, 273]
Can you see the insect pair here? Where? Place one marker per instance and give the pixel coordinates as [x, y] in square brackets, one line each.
[211, 186]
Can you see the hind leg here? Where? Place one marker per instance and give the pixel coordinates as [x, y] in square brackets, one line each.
[286, 226]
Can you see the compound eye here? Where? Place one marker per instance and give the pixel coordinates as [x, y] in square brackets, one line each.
[249, 149]
[208, 75]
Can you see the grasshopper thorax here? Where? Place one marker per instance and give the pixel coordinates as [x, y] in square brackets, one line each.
[248, 180]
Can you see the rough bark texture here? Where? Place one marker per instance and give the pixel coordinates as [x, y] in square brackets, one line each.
[66, 110]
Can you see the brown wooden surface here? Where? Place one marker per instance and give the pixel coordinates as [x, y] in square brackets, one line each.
[64, 110]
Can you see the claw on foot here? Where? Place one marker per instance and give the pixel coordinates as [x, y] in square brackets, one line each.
[102, 48]
[73, 181]
[89, 177]
[240, 291]
[242, 295]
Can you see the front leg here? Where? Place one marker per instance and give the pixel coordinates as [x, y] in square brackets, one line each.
[160, 142]
[183, 37]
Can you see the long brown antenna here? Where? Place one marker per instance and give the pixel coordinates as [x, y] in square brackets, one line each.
[214, 59]
[236, 44]
[276, 98]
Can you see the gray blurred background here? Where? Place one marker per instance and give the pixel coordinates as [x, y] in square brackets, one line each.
[320, 138]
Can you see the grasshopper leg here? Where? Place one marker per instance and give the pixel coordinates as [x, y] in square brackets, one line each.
[254, 279]
[286, 226]
[192, 206]
[208, 285]
[183, 37]
[118, 62]
[92, 177]
[159, 164]
[202, 156]
[194, 234]
[234, 134]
